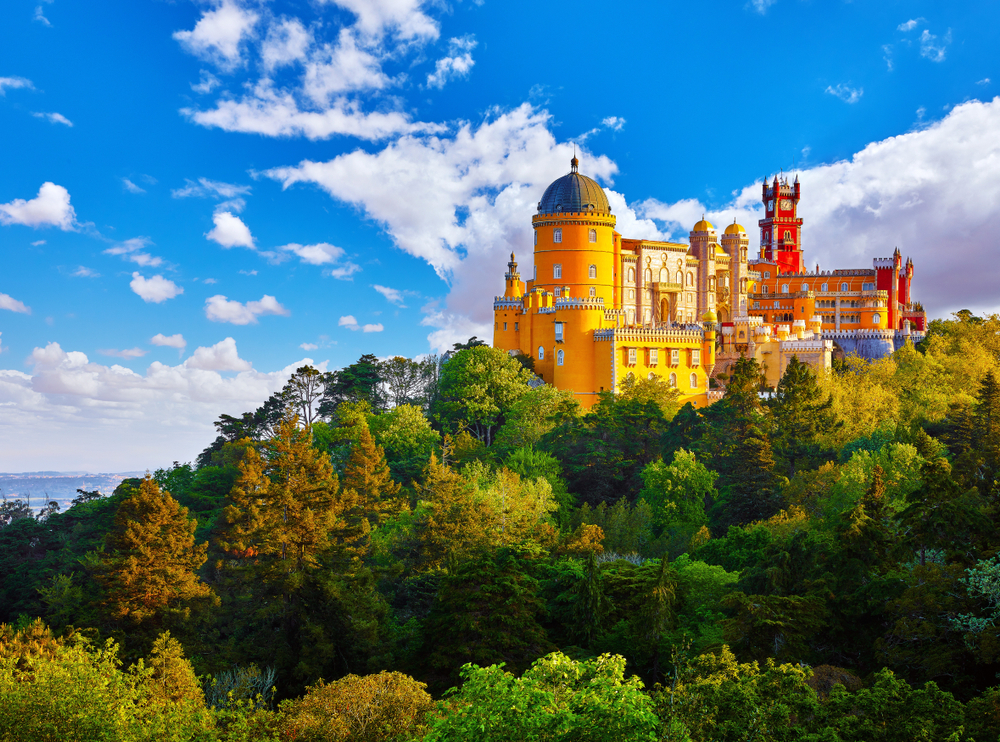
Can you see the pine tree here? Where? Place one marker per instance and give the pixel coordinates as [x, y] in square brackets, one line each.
[801, 417]
[149, 566]
[867, 531]
[367, 473]
[591, 604]
[455, 520]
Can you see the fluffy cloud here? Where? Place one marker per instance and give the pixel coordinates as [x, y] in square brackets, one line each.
[287, 41]
[615, 123]
[351, 323]
[220, 309]
[222, 356]
[54, 118]
[404, 19]
[909, 25]
[154, 290]
[169, 341]
[933, 193]
[11, 304]
[457, 64]
[13, 83]
[50, 208]
[230, 231]
[128, 353]
[219, 34]
[308, 346]
[70, 413]
[133, 250]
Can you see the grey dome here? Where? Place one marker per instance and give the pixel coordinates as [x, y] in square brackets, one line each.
[574, 193]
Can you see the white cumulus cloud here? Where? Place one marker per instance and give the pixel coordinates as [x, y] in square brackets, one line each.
[222, 356]
[351, 323]
[909, 25]
[220, 309]
[230, 231]
[11, 304]
[308, 346]
[154, 290]
[169, 341]
[219, 35]
[50, 208]
[323, 253]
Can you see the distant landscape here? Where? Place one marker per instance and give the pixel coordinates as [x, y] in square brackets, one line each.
[38, 487]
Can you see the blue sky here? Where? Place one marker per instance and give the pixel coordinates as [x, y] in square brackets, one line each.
[199, 196]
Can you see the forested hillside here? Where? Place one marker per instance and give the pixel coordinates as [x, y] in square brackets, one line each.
[447, 551]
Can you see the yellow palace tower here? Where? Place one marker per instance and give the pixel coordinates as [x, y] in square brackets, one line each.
[586, 316]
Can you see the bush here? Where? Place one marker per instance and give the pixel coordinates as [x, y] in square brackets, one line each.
[371, 708]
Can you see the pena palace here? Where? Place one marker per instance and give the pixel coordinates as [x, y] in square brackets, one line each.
[598, 307]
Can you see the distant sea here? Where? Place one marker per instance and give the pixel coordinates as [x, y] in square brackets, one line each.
[61, 486]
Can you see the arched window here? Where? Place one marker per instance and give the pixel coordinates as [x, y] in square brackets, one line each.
[557, 270]
[805, 287]
[825, 287]
[690, 279]
[680, 277]
[843, 287]
[764, 289]
[694, 381]
[647, 276]
[593, 235]
[673, 380]
[711, 284]
[593, 270]
[645, 317]
[536, 238]
[664, 276]
[876, 318]
[557, 234]
[631, 275]
[631, 316]
[788, 236]
[631, 293]
[541, 353]
[647, 296]
[593, 291]
[560, 356]
[784, 288]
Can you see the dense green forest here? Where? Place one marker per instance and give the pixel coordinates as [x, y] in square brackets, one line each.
[449, 551]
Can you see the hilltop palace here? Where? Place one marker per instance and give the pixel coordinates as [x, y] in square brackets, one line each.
[600, 307]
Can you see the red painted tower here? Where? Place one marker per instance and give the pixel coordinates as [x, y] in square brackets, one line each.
[781, 228]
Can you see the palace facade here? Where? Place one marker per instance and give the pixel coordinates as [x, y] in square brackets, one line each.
[599, 307]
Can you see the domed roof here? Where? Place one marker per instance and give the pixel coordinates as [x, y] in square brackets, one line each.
[734, 228]
[709, 316]
[574, 193]
[703, 226]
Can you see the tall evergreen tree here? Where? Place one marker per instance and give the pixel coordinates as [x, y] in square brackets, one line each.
[800, 417]
[149, 567]
[742, 452]
[367, 474]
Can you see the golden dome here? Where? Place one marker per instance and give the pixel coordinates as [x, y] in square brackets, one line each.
[709, 316]
[734, 228]
[702, 226]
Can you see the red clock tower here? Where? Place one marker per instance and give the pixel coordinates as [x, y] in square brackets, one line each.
[781, 228]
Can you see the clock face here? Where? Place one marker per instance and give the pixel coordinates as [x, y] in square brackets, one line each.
[786, 204]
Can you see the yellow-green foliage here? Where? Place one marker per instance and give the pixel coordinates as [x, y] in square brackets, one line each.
[374, 708]
[76, 692]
